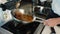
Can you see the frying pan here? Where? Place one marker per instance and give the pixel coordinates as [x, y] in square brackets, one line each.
[23, 12]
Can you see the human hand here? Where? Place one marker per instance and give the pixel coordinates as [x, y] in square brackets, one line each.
[52, 22]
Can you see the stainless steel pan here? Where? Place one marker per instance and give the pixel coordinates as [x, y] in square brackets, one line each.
[22, 11]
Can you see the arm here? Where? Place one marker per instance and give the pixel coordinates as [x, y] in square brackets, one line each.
[52, 19]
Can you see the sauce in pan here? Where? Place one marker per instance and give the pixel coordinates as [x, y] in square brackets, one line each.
[23, 17]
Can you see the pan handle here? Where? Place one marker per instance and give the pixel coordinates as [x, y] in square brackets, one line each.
[39, 19]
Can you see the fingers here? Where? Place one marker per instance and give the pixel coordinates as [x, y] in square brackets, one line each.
[50, 23]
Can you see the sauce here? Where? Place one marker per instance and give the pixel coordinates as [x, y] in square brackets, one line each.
[23, 17]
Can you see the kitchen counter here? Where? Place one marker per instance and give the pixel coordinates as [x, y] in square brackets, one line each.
[48, 31]
[3, 31]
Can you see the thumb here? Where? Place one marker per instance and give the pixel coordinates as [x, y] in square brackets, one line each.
[45, 22]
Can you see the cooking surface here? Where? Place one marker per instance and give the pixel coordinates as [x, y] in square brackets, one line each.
[21, 28]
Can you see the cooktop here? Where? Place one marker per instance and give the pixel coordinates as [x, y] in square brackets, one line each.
[21, 28]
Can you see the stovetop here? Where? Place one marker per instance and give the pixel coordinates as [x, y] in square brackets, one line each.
[21, 28]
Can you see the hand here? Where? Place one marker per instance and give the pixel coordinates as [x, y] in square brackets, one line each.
[52, 22]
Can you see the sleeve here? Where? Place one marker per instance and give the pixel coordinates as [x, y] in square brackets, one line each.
[51, 14]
